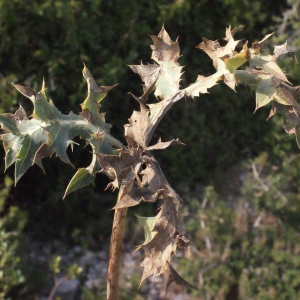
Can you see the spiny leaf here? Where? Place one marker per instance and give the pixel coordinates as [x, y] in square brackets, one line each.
[164, 244]
[258, 46]
[10, 122]
[168, 72]
[268, 64]
[164, 50]
[33, 136]
[281, 51]
[135, 131]
[203, 83]
[267, 87]
[49, 131]
[168, 82]
[265, 92]
[149, 73]
[81, 178]
[237, 60]
[117, 167]
[91, 105]
[42, 109]
[12, 145]
[163, 145]
[164, 78]
[175, 277]
[147, 189]
[213, 48]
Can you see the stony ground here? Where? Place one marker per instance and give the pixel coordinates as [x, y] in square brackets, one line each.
[93, 276]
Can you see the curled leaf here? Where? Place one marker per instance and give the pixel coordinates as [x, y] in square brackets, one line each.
[175, 277]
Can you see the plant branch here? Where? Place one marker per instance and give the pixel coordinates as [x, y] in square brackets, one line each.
[56, 285]
[115, 253]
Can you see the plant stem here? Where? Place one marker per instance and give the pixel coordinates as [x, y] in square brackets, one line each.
[115, 253]
[56, 285]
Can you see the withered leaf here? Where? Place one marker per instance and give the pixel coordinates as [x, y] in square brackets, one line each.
[10, 122]
[281, 51]
[117, 167]
[258, 46]
[42, 152]
[163, 145]
[157, 112]
[164, 244]
[146, 189]
[283, 96]
[174, 276]
[135, 131]
[230, 33]
[164, 50]
[229, 80]
[292, 120]
[293, 90]
[144, 98]
[149, 73]
[229, 37]
[28, 92]
[213, 48]
[20, 114]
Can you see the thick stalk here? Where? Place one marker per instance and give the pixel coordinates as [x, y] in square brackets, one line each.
[115, 253]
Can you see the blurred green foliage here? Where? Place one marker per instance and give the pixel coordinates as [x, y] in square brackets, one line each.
[249, 248]
[12, 222]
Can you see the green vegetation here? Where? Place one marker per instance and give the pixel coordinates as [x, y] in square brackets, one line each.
[12, 223]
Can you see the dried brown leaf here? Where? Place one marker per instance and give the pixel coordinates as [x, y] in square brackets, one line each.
[147, 189]
[135, 131]
[164, 50]
[169, 237]
[213, 48]
[174, 276]
[28, 92]
[258, 46]
[149, 73]
[163, 145]
[117, 167]
[20, 114]
[281, 51]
